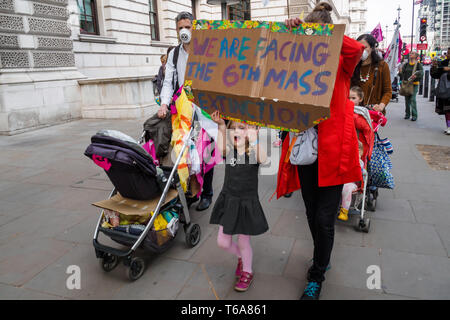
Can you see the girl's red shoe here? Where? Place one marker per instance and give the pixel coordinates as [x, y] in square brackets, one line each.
[244, 281]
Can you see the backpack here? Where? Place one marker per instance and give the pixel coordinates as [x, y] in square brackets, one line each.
[176, 53]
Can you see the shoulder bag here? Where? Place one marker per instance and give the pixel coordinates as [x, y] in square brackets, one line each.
[407, 87]
[304, 148]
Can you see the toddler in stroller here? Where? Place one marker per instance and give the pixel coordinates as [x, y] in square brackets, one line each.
[350, 188]
[354, 194]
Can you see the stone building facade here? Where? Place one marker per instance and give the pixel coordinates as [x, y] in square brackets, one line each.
[69, 59]
[358, 16]
[38, 76]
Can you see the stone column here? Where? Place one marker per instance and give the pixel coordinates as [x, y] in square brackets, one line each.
[37, 65]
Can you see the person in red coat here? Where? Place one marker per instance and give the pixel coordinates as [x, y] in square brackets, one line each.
[337, 163]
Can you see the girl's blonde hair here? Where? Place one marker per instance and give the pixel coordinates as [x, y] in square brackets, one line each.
[247, 142]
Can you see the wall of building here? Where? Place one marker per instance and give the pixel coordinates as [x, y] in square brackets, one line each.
[38, 78]
[358, 12]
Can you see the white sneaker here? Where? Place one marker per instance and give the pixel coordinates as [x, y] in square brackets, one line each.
[447, 131]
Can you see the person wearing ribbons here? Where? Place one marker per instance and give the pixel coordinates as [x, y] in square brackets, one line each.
[173, 80]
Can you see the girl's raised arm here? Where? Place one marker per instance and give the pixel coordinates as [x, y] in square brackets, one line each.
[221, 136]
[261, 154]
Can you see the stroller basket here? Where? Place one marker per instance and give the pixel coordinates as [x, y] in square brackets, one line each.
[156, 241]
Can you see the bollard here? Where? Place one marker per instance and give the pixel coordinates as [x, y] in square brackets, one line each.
[421, 86]
[432, 89]
[426, 83]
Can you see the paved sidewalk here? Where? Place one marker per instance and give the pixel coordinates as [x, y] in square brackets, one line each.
[47, 224]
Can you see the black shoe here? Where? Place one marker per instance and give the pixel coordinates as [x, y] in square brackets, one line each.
[406, 117]
[312, 291]
[204, 204]
[191, 200]
[413, 119]
[288, 195]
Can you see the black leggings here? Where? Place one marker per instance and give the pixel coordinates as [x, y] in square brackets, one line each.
[322, 204]
[207, 184]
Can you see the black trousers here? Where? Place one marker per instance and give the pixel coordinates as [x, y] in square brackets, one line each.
[207, 184]
[322, 204]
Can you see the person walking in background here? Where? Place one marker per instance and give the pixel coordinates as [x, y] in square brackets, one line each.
[412, 71]
[161, 73]
[373, 76]
[442, 99]
[162, 70]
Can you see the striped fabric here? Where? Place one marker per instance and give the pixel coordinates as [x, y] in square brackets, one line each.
[181, 124]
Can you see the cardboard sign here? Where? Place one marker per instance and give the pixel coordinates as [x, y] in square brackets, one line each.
[262, 73]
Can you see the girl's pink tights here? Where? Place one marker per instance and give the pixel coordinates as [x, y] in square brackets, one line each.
[241, 249]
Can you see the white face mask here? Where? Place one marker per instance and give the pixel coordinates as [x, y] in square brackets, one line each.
[365, 55]
[185, 35]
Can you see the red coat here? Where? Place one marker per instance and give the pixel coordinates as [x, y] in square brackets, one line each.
[338, 145]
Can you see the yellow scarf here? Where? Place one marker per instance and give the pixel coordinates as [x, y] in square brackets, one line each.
[181, 124]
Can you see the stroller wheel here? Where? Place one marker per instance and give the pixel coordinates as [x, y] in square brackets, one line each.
[136, 268]
[363, 225]
[109, 262]
[193, 234]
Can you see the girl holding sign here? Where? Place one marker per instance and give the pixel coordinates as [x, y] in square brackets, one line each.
[237, 209]
[337, 162]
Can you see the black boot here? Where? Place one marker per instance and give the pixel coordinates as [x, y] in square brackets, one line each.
[204, 204]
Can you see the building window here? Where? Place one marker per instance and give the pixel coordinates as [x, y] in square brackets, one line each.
[153, 13]
[88, 16]
[240, 11]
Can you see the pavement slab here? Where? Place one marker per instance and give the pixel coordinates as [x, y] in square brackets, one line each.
[404, 236]
[415, 275]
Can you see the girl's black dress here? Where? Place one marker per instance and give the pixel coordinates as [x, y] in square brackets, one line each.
[237, 208]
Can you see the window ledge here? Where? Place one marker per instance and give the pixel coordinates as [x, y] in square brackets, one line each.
[95, 38]
[161, 44]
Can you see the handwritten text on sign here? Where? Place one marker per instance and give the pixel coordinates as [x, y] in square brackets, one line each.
[256, 63]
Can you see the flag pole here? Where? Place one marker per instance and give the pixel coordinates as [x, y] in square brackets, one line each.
[412, 28]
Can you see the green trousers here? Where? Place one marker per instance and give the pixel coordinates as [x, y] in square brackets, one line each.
[411, 104]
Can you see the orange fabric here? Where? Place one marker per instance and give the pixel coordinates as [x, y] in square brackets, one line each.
[287, 178]
[288, 153]
[337, 143]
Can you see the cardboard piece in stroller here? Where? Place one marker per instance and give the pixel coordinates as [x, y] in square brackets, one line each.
[133, 207]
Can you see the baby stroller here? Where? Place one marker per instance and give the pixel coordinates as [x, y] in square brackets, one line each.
[135, 176]
[395, 90]
[364, 130]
